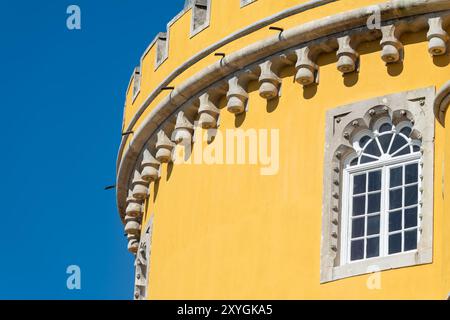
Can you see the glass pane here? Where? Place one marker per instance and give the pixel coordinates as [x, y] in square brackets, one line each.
[411, 173]
[396, 177]
[405, 150]
[385, 141]
[357, 251]
[395, 243]
[395, 199]
[406, 131]
[416, 148]
[373, 225]
[373, 204]
[365, 159]
[359, 205]
[411, 217]
[395, 221]
[411, 195]
[373, 247]
[374, 180]
[359, 184]
[385, 127]
[372, 149]
[363, 141]
[358, 227]
[354, 162]
[410, 240]
[397, 143]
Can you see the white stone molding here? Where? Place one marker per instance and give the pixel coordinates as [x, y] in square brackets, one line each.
[437, 37]
[392, 48]
[139, 187]
[342, 126]
[136, 82]
[133, 243]
[208, 112]
[164, 147]
[162, 48]
[349, 26]
[142, 262]
[183, 130]
[134, 206]
[442, 102]
[347, 55]
[307, 69]
[150, 167]
[246, 2]
[201, 13]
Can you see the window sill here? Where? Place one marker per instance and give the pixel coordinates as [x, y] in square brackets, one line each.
[407, 259]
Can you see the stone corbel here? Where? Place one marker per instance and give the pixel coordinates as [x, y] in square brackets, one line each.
[437, 37]
[139, 186]
[133, 243]
[237, 95]
[164, 147]
[134, 206]
[392, 48]
[183, 130]
[348, 57]
[269, 81]
[150, 167]
[132, 226]
[208, 112]
[307, 69]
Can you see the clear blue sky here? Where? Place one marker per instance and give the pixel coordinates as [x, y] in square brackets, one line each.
[62, 95]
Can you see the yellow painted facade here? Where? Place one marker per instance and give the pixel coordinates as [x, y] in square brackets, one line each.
[226, 231]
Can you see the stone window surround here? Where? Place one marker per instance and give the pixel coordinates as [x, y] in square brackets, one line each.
[339, 124]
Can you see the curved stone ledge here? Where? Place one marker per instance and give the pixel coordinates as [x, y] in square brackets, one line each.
[324, 33]
[442, 102]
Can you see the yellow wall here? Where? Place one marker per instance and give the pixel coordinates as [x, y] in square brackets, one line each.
[225, 231]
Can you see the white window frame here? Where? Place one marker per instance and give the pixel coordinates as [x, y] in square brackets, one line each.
[384, 165]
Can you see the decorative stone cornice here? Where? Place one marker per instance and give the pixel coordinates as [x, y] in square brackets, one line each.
[392, 48]
[437, 37]
[307, 69]
[140, 187]
[237, 95]
[150, 167]
[342, 33]
[269, 82]
[442, 102]
[183, 129]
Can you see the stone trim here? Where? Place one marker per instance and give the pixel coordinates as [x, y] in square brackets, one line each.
[442, 102]
[279, 49]
[201, 16]
[142, 262]
[246, 2]
[342, 124]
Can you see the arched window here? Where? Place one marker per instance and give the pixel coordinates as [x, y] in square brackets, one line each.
[381, 198]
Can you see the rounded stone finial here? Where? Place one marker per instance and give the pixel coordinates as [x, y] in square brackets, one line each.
[183, 130]
[437, 37]
[132, 226]
[208, 112]
[347, 56]
[164, 147]
[139, 186]
[269, 81]
[306, 68]
[134, 207]
[237, 96]
[390, 44]
[150, 167]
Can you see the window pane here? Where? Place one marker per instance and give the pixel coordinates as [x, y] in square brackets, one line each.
[374, 203]
[374, 180]
[363, 141]
[385, 127]
[359, 184]
[416, 148]
[411, 240]
[411, 217]
[385, 141]
[395, 243]
[396, 177]
[365, 159]
[410, 195]
[373, 225]
[395, 198]
[406, 131]
[358, 227]
[411, 173]
[354, 162]
[395, 220]
[373, 247]
[357, 251]
[359, 205]
[405, 150]
[397, 143]
[372, 149]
